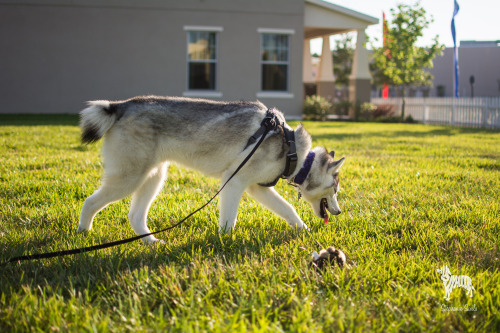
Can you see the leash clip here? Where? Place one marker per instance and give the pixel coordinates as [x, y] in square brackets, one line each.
[269, 122]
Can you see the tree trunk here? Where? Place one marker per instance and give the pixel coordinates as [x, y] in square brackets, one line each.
[403, 105]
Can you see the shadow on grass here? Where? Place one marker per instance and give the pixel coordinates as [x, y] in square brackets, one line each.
[92, 269]
[38, 120]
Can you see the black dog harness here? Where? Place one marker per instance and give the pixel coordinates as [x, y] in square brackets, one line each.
[272, 123]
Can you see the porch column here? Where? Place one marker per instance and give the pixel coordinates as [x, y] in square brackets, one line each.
[360, 78]
[307, 71]
[325, 80]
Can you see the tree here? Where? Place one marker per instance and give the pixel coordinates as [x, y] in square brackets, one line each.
[342, 59]
[400, 62]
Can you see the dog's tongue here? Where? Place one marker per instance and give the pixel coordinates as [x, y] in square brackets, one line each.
[324, 210]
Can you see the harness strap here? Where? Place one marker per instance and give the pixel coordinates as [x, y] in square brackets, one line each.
[291, 157]
[270, 122]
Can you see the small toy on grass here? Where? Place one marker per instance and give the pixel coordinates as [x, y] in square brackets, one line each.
[328, 257]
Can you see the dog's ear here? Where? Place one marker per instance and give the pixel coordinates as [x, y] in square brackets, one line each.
[332, 154]
[301, 132]
[335, 166]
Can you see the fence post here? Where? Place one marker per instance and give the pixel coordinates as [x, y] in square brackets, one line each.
[453, 112]
[485, 113]
[426, 111]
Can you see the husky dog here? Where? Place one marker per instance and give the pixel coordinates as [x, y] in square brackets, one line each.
[144, 134]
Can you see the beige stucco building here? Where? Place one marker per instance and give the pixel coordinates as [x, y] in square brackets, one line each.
[57, 54]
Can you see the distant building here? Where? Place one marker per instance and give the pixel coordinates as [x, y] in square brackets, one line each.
[480, 59]
[57, 54]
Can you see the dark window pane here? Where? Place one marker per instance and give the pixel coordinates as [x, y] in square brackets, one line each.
[274, 77]
[201, 76]
[275, 57]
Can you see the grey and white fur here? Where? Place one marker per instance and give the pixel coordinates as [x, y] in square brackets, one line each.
[144, 134]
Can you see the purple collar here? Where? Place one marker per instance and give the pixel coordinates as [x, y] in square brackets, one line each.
[304, 171]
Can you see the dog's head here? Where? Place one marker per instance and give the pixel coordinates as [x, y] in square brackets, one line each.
[322, 184]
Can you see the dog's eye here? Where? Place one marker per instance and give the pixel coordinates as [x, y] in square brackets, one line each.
[334, 184]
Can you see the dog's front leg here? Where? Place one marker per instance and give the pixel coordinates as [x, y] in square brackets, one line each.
[228, 205]
[271, 199]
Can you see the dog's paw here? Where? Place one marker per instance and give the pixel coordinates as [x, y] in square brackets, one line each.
[328, 257]
[151, 240]
[225, 231]
[81, 230]
[300, 227]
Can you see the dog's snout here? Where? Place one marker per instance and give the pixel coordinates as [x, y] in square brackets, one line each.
[338, 212]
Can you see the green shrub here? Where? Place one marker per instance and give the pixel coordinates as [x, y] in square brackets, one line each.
[369, 107]
[385, 113]
[384, 110]
[316, 108]
[342, 107]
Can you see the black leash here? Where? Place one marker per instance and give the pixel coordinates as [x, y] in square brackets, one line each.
[269, 123]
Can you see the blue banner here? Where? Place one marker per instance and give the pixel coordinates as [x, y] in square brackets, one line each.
[455, 51]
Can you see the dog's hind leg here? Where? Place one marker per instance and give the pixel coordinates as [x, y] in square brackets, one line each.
[142, 200]
[268, 197]
[114, 188]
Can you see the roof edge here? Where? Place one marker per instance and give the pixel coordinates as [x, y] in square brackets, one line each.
[344, 10]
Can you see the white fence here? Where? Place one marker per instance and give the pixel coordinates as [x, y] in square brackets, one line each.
[474, 112]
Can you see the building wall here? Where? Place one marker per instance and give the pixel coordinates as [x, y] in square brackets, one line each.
[56, 56]
[482, 62]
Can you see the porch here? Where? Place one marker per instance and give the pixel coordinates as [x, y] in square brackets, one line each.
[322, 20]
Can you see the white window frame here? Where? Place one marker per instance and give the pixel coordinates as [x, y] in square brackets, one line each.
[271, 93]
[202, 92]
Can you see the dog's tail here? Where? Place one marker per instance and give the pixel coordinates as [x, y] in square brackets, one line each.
[96, 120]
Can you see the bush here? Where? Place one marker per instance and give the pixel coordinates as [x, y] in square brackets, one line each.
[384, 113]
[366, 111]
[368, 107]
[342, 107]
[370, 111]
[395, 119]
[316, 108]
[410, 120]
[384, 110]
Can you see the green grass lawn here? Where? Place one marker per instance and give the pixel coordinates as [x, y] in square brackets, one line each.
[413, 198]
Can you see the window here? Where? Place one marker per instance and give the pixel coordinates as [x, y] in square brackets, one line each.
[202, 58]
[275, 61]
